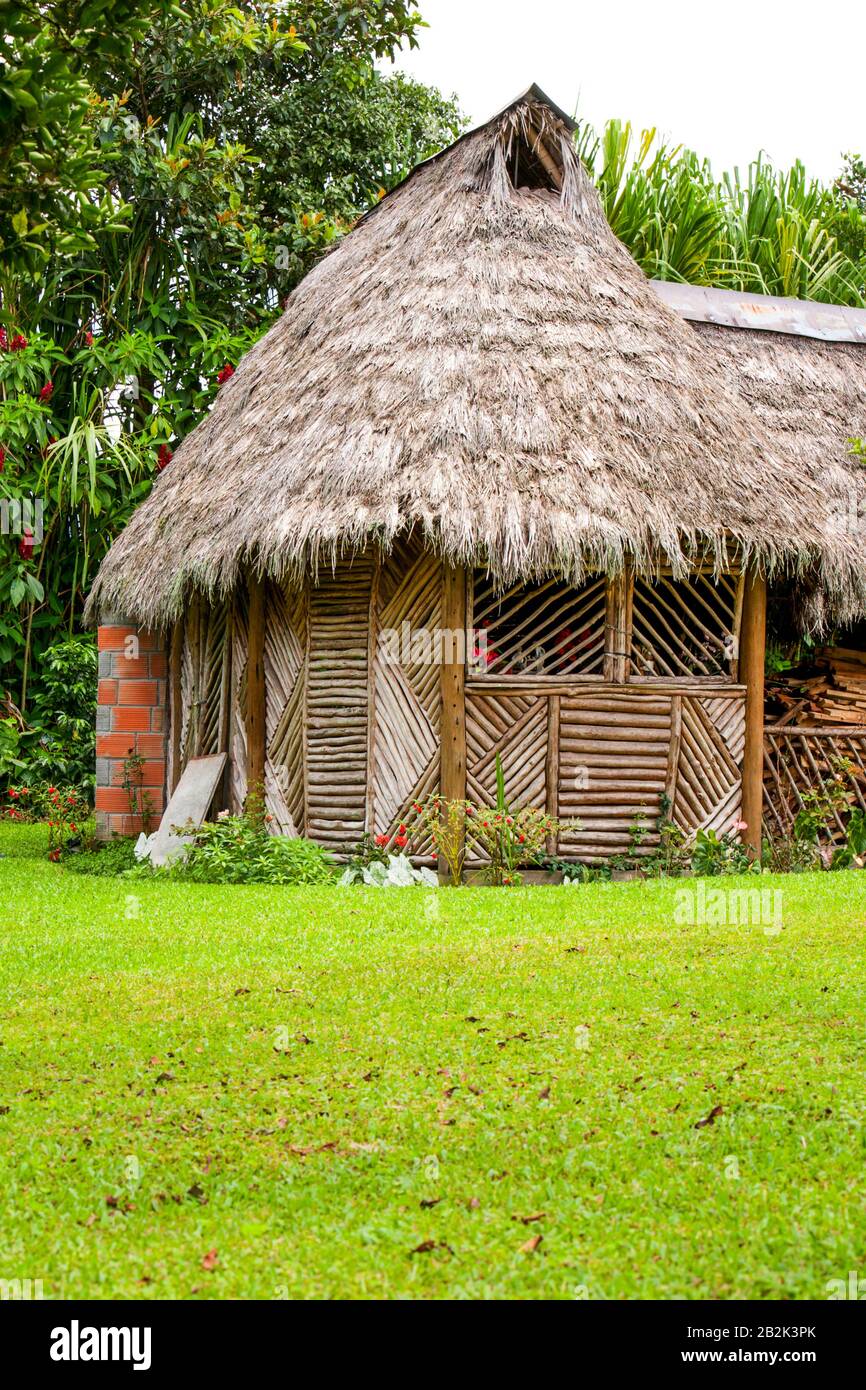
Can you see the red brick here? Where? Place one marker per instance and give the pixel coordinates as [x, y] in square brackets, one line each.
[137, 693]
[157, 664]
[107, 692]
[150, 642]
[150, 745]
[157, 720]
[112, 799]
[130, 667]
[118, 745]
[132, 720]
[111, 639]
[152, 773]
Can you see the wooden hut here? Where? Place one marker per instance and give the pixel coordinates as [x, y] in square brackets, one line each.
[475, 417]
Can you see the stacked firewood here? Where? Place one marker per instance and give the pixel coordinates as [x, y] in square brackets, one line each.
[831, 691]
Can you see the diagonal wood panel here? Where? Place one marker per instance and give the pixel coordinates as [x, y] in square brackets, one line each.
[406, 691]
[515, 728]
[709, 790]
[285, 688]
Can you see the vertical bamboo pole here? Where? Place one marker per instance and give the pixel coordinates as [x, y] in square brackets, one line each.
[176, 703]
[552, 770]
[753, 640]
[255, 711]
[452, 680]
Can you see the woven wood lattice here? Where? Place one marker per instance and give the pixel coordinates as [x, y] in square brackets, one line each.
[550, 629]
[685, 627]
[799, 760]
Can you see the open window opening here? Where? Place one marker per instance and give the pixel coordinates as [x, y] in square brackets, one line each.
[545, 629]
[685, 627]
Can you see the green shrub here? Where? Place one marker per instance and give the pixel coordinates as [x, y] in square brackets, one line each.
[60, 747]
[236, 849]
[104, 860]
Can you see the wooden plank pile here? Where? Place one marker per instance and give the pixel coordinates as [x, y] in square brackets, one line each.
[832, 693]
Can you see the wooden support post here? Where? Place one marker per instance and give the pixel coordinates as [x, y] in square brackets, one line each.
[552, 771]
[176, 701]
[452, 777]
[255, 710]
[753, 639]
[617, 626]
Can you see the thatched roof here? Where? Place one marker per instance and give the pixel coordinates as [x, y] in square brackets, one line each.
[481, 359]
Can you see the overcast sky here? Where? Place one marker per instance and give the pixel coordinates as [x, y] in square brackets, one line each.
[727, 80]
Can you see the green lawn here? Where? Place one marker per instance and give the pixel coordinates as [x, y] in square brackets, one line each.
[362, 1093]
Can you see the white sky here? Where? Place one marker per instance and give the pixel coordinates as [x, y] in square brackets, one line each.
[728, 80]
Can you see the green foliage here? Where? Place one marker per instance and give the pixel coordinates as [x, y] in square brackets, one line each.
[392, 871]
[170, 173]
[61, 744]
[105, 860]
[721, 854]
[235, 849]
[768, 232]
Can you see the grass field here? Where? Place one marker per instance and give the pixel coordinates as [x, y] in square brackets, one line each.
[361, 1093]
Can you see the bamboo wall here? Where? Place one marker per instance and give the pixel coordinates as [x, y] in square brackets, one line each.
[599, 702]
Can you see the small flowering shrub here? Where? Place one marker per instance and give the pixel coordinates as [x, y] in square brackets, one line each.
[510, 839]
[446, 824]
[65, 810]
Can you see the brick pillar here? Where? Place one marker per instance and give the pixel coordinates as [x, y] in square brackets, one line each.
[131, 716]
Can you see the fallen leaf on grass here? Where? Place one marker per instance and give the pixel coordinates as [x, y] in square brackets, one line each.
[209, 1260]
[427, 1246]
[711, 1118]
[528, 1220]
[428, 1202]
[531, 1245]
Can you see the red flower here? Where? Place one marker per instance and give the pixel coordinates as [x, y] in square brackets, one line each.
[227, 371]
[18, 344]
[521, 838]
[381, 841]
[2, 457]
[13, 795]
[400, 841]
[25, 545]
[163, 457]
[434, 857]
[88, 338]
[4, 341]
[54, 855]
[47, 391]
[416, 806]
[72, 825]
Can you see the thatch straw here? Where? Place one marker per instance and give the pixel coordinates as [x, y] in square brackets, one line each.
[486, 363]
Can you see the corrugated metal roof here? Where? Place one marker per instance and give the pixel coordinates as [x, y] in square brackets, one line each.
[735, 309]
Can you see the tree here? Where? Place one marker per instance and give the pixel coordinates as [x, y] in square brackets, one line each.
[216, 150]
